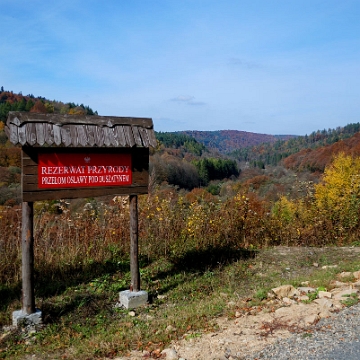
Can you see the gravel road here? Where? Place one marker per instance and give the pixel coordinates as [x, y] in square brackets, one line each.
[335, 338]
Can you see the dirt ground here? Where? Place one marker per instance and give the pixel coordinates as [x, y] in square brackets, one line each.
[277, 318]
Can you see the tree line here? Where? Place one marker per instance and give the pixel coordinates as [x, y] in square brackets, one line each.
[274, 153]
[9, 101]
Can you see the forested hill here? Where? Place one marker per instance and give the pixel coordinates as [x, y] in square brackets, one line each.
[10, 101]
[273, 153]
[228, 140]
[317, 159]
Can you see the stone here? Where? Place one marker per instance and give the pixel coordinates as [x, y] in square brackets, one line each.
[306, 289]
[311, 319]
[288, 301]
[285, 291]
[170, 354]
[343, 294]
[356, 275]
[325, 314]
[300, 314]
[338, 284]
[324, 303]
[325, 267]
[21, 318]
[345, 274]
[170, 329]
[133, 299]
[324, 294]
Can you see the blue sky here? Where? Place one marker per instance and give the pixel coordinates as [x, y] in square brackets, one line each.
[264, 66]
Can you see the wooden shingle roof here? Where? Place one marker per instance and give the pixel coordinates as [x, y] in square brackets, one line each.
[31, 129]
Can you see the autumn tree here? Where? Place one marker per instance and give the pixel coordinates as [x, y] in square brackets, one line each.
[29, 105]
[338, 195]
[39, 107]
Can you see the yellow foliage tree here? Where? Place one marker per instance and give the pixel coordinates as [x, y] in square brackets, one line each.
[338, 195]
[284, 210]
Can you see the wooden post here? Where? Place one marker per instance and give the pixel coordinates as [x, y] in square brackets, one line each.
[27, 238]
[134, 247]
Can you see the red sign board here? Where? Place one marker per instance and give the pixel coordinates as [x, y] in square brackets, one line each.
[64, 170]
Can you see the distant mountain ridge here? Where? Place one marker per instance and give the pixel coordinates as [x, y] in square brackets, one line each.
[229, 140]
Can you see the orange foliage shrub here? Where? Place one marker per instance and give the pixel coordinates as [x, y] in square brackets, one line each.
[256, 181]
[39, 107]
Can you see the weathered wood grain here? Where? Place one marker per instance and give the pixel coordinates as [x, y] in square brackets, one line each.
[30, 133]
[22, 135]
[74, 135]
[107, 135]
[57, 134]
[144, 136]
[81, 133]
[152, 138]
[69, 131]
[40, 133]
[49, 134]
[90, 132]
[129, 136]
[99, 136]
[16, 121]
[137, 137]
[59, 119]
[121, 135]
[66, 135]
[13, 134]
[114, 142]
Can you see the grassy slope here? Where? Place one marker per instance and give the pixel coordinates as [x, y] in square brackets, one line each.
[81, 321]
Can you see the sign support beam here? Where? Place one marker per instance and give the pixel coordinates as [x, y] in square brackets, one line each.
[134, 244]
[28, 297]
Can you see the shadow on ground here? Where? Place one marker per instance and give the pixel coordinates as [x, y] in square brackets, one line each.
[199, 262]
[210, 258]
[52, 281]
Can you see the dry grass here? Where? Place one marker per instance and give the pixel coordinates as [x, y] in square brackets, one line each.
[192, 246]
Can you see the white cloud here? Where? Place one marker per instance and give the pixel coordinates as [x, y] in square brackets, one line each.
[187, 99]
[279, 68]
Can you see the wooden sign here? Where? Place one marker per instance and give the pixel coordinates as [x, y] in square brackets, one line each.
[85, 169]
[70, 156]
[67, 173]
